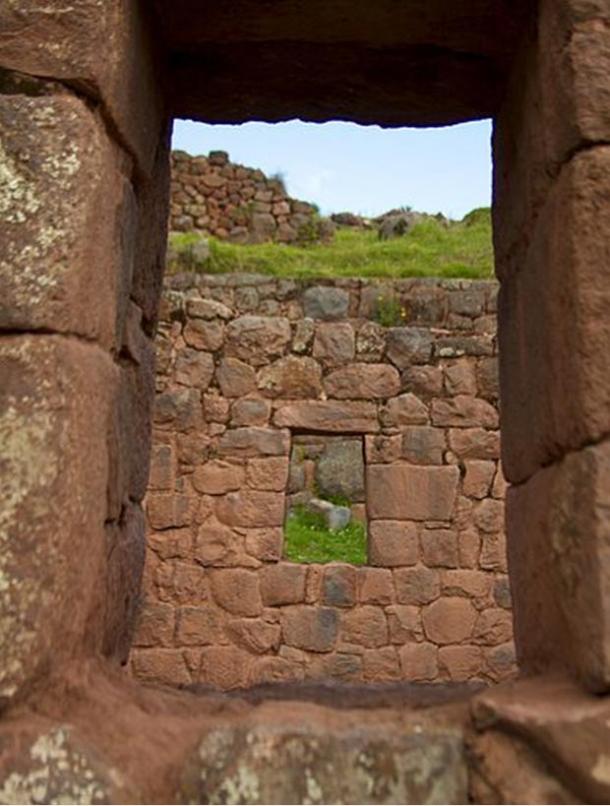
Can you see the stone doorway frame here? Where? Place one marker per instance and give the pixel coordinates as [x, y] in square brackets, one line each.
[86, 177]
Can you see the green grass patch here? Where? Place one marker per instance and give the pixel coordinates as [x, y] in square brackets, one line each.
[430, 249]
[307, 540]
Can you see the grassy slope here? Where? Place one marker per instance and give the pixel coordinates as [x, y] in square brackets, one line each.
[463, 249]
[307, 540]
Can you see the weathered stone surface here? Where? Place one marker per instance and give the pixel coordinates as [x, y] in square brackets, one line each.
[376, 586]
[216, 408]
[365, 626]
[199, 626]
[560, 514]
[554, 718]
[478, 478]
[404, 623]
[44, 763]
[362, 381]
[393, 543]
[460, 663]
[475, 443]
[311, 628]
[405, 409]
[207, 309]
[340, 470]
[334, 343]
[449, 620]
[194, 368]
[325, 302]
[251, 508]
[422, 445]
[51, 45]
[268, 474]
[417, 586]
[379, 762]
[439, 547]
[283, 584]
[237, 590]
[460, 379]
[464, 412]
[257, 339]
[348, 417]
[52, 540]
[291, 377]
[339, 585]
[568, 372]
[255, 635]
[419, 662]
[204, 335]
[250, 411]
[405, 492]
[217, 477]
[235, 378]
[246, 442]
[408, 345]
[66, 258]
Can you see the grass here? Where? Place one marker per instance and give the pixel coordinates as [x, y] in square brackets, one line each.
[307, 540]
[430, 249]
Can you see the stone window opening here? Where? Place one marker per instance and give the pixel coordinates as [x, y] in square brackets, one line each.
[326, 499]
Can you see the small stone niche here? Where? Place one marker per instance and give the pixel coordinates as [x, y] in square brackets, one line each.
[326, 486]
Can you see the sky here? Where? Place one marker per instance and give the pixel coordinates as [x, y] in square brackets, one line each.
[363, 169]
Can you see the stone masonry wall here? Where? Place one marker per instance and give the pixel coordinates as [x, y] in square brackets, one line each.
[245, 362]
[213, 195]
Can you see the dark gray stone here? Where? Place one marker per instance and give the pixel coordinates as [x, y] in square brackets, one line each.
[340, 470]
[408, 345]
[325, 302]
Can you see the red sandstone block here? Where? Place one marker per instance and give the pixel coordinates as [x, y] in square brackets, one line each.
[423, 445]
[254, 635]
[180, 582]
[292, 377]
[333, 416]
[469, 547]
[425, 382]
[461, 663]
[489, 516]
[249, 442]
[268, 474]
[363, 381]
[417, 586]
[162, 468]
[499, 485]
[493, 553]
[439, 547]
[343, 666]
[380, 665]
[202, 335]
[404, 623]
[449, 620]
[162, 666]
[365, 625]
[404, 492]
[265, 544]
[311, 628]
[257, 339]
[419, 662]
[224, 667]
[339, 585]
[250, 411]
[376, 586]
[171, 544]
[217, 477]
[282, 584]
[274, 670]
[334, 343]
[196, 626]
[460, 378]
[235, 378]
[405, 409]
[475, 585]
[478, 478]
[215, 408]
[194, 369]
[493, 626]
[392, 543]
[217, 545]
[380, 448]
[464, 411]
[251, 508]
[237, 590]
[169, 510]
[475, 443]
[154, 625]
